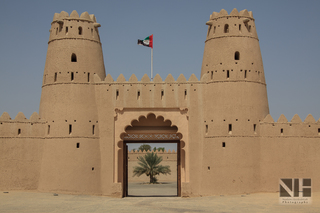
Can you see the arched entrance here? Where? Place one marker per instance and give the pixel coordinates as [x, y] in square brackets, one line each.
[149, 127]
[151, 130]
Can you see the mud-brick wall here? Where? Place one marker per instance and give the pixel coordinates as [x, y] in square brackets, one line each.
[21, 142]
[169, 158]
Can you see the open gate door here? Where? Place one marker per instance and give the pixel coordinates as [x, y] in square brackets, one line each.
[125, 170]
[178, 171]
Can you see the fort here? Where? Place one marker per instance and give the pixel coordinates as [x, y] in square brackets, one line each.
[227, 141]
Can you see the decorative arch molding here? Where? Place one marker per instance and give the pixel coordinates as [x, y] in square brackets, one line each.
[124, 117]
[151, 128]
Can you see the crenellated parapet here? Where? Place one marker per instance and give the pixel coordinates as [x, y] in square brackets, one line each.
[145, 79]
[148, 93]
[234, 13]
[20, 126]
[294, 128]
[235, 24]
[74, 26]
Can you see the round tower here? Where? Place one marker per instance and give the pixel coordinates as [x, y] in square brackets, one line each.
[232, 66]
[74, 55]
[235, 101]
[68, 104]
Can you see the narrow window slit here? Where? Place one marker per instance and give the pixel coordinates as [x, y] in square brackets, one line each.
[70, 129]
[230, 128]
[206, 128]
[93, 128]
[72, 76]
[254, 128]
[117, 94]
[228, 74]
[223, 144]
[80, 30]
[19, 131]
[88, 77]
[138, 95]
[55, 76]
[78, 145]
[48, 129]
[162, 94]
[185, 94]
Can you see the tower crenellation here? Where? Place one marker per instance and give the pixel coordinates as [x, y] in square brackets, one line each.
[233, 37]
[84, 26]
[233, 24]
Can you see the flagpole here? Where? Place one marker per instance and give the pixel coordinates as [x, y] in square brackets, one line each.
[151, 64]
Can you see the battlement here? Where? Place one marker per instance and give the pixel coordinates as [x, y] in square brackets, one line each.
[221, 75]
[236, 24]
[20, 126]
[145, 79]
[84, 27]
[295, 120]
[234, 13]
[21, 118]
[58, 17]
[282, 127]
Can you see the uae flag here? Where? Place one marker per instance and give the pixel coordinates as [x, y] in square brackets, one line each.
[148, 42]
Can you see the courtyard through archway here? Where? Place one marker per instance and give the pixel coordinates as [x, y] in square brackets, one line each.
[164, 185]
[162, 134]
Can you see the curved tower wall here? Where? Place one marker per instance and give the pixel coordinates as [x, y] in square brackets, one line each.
[232, 68]
[235, 102]
[74, 55]
[71, 149]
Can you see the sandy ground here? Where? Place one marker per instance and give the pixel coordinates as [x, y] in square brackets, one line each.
[17, 201]
[161, 189]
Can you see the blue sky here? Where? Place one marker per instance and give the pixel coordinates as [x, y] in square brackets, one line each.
[289, 36]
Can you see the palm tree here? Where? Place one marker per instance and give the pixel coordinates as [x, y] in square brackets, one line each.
[149, 165]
